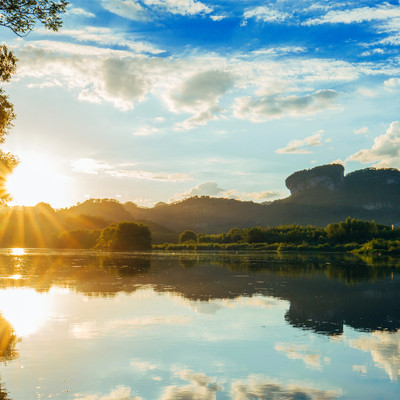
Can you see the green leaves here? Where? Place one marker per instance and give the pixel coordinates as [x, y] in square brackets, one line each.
[7, 115]
[21, 15]
[8, 64]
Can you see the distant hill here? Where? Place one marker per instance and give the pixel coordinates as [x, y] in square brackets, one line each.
[109, 209]
[319, 196]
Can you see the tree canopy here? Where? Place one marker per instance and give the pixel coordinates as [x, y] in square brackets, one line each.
[187, 236]
[125, 236]
[21, 15]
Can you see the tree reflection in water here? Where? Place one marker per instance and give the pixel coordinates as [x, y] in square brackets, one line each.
[323, 293]
[8, 350]
[8, 341]
[359, 292]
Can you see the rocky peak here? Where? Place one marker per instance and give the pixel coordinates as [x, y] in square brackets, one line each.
[329, 176]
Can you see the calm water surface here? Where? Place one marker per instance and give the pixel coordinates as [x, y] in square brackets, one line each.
[90, 326]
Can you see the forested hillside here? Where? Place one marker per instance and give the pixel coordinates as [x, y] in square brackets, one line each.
[320, 196]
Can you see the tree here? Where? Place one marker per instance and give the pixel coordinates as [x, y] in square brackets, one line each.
[125, 236]
[187, 236]
[20, 16]
[235, 235]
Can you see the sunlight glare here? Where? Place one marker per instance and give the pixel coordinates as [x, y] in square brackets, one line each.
[17, 251]
[35, 180]
[25, 309]
[16, 277]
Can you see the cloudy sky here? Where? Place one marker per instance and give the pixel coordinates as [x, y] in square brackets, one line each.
[156, 100]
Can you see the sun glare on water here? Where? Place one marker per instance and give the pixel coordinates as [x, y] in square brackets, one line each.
[35, 180]
[17, 251]
[25, 309]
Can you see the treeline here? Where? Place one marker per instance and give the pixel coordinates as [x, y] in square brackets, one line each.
[348, 235]
[125, 236]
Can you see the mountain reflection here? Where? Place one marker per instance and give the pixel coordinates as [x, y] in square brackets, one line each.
[325, 292]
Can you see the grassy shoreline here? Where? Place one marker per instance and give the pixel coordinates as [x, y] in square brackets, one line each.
[374, 246]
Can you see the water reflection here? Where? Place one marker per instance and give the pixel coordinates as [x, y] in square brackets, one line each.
[17, 251]
[8, 348]
[257, 387]
[119, 326]
[310, 357]
[8, 342]
[24, 308]
[325, 291]
[385, 351]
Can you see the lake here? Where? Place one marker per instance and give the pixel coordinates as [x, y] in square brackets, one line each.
[123, 326]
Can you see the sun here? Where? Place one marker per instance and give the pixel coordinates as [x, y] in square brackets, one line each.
[36, 180]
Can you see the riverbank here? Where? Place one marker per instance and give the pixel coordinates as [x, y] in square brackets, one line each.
[374, 246]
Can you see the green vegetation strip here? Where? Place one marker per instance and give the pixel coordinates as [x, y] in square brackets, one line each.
[352, 235]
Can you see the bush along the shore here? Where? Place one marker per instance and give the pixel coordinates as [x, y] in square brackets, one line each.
[350, 235]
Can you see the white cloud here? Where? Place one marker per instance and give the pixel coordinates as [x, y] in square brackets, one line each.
[385, 351]
[148, 9]
[199, 94]
[296, 146]
[142, 365]
[84, 330]
[361, 131]
[145, 131]
[302, 352]
[385, 152]
[218, 17]
[101, 76]
[253, 302]
[145, 322]
[181, 7]
[362, 369]
[119, 393]
[212, 189]
[280, 50]
[259, 387]
[366, 92]
[130, 9]
[200, 387]
[357, 15]
[204, 189]
[195, 85]
[204, 87]
[150, 176]
[373, 51]
[80, 11]
[391, 27]
[107, 36]
[253, 196]
[264, 14]
[392, 84]
[264, 195]
[272, 107]
[91, 166]
[200, 119]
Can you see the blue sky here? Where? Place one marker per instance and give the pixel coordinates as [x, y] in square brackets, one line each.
[157, 100]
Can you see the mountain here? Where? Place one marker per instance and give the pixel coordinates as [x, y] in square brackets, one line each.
[319, 196]
[109, 209]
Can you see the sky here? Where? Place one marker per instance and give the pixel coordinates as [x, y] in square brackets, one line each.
[159, 100]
